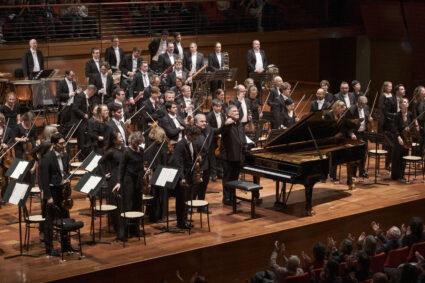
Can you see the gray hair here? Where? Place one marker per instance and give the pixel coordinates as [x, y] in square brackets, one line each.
[91, 88]
[231, 107]
[394, 233]
[362, 99]
[197, 117]
[293, 262]
[168, 92]
[217, 102]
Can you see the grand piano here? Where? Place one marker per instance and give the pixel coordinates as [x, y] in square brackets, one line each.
[303, 154]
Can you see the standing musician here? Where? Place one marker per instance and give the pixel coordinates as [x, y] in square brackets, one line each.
[157, 47]
[172, 123]
[154, 82]
[329, 97]
[216, 119]
[400, 92]
[5, 136]
[130, 183]
[215, 63]
[118, 97]
[278, 104]
[241, 103]
[53, 168]
[387, 103]
[109, 164]
[360, 111]
[177, 73]
[153, 109]
[178, 45]
[400, 130]
[140, 82]
[193, 60]
[81, 111]
[32, 61]
[177, 89]
[288, 116]
[273, 97]
[93, 65]
[256, 58]
[187, 104]
[116, 123]
[219, 94]
[66, 89]
[355, 84]
[104, 84]
[99, 129]
[129, 66]
[320, 102]
[10, 110]
[233, 150]
[253, 103]
[183, 158]
[168, 58]
[345, 96]
[418, 107]
[114, 54]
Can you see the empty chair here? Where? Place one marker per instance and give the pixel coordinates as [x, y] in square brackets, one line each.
[396, 257]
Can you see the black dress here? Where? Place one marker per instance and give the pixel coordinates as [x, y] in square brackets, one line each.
[397, 168]
[98, 129]
[10, 114]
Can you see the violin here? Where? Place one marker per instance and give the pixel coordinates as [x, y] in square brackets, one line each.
[249, 127]
[146, 185]
[169, 145]
[407, 139]
[198, 171]
[217, 150]
[9, 156]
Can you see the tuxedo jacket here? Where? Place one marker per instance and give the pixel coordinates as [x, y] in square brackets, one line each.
[340, 96]
[49, 172]
[187, 61]
[237, 103]
[274, 95]
[165, 62]
[213, 64]
[233, 142]
[183, 159]
[212, 120]
[126, 64]
[111, 57]
[353, 113]
[79, 107]
[62, 91]
[114, 128]
[167, 123]
[171, 78]
[150, 109]
[154, 45]
[206, 138]
[137, 85]
[176, 50]
[97, 81]
[251, 60]
[314, 107]
[91, 68]
[28, 62]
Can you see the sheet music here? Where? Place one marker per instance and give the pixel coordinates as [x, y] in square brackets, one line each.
[91, 183]
[18, 193]
[248, 140]
[19, 170]
[166, 175]
[93, 163]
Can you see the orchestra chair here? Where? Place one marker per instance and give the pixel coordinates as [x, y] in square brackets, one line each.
[35, 192]
[30, 222]
[377, 262]
[300, 278]
[146, 200]
[396, 257]
[377, 154]
[246, 187]
[409, 161]
[101, 209]
[68, 225]
[200, 205]
[420, 247]
[131, 218]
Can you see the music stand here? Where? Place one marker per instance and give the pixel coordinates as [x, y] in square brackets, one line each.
[90, 184]
[377, 139]
[44, 74]
[200, 83]
[18, 169]
[166, 177]
[261, 78]
[17, 194]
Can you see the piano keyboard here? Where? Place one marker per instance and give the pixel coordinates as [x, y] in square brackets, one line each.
[267, 172]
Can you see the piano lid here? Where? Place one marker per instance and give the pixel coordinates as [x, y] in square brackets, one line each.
[298, 132]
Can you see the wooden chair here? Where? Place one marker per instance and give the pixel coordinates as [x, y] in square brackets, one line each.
[29, 221]
[201, 205]
[131, 218]
[396, 257]
[420, 247]
[377, 262]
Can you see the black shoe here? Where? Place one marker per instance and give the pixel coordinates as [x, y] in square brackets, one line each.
[53, 253]
[227, 202]
[365, 175]
[185, 226]
[213, 178]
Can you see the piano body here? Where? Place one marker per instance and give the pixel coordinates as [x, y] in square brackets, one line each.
[293, 155]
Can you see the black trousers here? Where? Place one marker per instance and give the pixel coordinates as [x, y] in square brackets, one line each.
[202, 186]
[83, 140]
[231, 170]
[131, 192]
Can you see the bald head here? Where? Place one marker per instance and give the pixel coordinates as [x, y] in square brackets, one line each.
[320, 94]
[33, 44]
[256, 45]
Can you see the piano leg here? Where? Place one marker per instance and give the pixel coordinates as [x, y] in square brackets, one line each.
[280, 194]
[308, 199]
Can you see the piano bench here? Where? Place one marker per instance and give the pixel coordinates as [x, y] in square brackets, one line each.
[245, 186]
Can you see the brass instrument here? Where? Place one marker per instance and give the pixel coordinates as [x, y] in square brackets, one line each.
[226, 63]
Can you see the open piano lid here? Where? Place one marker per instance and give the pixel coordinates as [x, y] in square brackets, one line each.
[298, 132]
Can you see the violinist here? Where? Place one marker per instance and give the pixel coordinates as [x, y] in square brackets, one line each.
[253, 103]
[400, 92]
[320, 102]
[5, 135]
[187, 104]
[355, 84]
[98, 128]
[109, 164]
[116, 123]
[131, 171]
[360, 111]
[401, 133]
[288, 116]
[387, 103]
[10, 110]
[216, 119]
[325, 85]
[25, 135]
[277, 105]
[172, 123]
[53, 168]
[140, 82]
[153, 109]
[184, 157]
[418, 107]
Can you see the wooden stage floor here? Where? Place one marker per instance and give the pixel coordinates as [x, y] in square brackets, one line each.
[231, 252]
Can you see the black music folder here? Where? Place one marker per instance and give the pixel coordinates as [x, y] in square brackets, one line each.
[18, 169]
[165, 176]
[89, 184]
[17, 193]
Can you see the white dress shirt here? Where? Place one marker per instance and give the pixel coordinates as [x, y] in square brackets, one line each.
[59, 157]
[179, 48]
[245, 111]
[218, 58]
[320, 104]
[117, 55]
[120, 128]
[35, 59]
[145, 79]
[218, 118]
[70, 90]
[347, 100]
[176, 122]
[193, 69]
[97, 64]
[190, 148]
[171, 58]
[161, 50]
[258, 60]
[362, 127]
[134, 66]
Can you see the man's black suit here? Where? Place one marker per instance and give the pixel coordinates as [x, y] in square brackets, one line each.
[79, 109]
[183, 159]
[214, 65]
[50, 183]
[114, 128]
[176, 49]
[91, 68]
[314, 107]
[216, 166]
[187, 61]
[150, 112]
[251, 60]
[111, 57]
[137, 85]
[340, 96]
[154, 46]
[62, 94]
[97, 81]
[28, 63]
[164, 61]
[126, 66]
[235, 101]
[277, 105]
[170, 128]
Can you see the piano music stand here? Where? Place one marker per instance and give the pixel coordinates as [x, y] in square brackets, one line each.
[377, 139]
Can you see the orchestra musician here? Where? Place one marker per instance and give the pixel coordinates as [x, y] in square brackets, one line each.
[233, 150]
[187, 104]
[116, 123]
[5, 136]
[355, 84]
[178, 45]
[177, 73]
[53, 169]
[66, 89]
[168, 58]
[325, 85]
[184, 157]
[172, 123]
[93, 65]
[215, 63]
[253, 103]
[288, 115]
[418, 107]
[157, 47]
[10, 110]
[129, 186]
[99, 129]
[114, 54]
[241, 103]
[219, 94]
[32, 61]
[193, 60]
[320, 102]
[256, 58]
[177, 89]
[140, 82]
[216, 120]
[387, 104]
[345, 96]
[104, 84]
[278, 104]
[129, 66]
[153, 109]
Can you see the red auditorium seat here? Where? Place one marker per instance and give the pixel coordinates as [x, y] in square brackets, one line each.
[396, 257]
[420, 247]
[301, 278]
[377, 262]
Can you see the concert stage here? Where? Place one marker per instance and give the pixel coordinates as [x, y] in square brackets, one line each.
[234, 249]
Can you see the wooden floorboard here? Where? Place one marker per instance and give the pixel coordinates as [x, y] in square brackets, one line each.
[332, 202]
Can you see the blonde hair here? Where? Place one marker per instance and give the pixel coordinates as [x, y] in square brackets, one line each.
[48, 131]
[337, 104]
[157, 134]
[136, 137]
[416, 92]
[385, 85]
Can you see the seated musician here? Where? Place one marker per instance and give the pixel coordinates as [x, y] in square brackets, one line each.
[401, 132]
[253, 103]
[10, 110]
[177, 89]
[184, 157]
[320, 102]
[25, 135]
[154, 82]
[172, 123]
[5, 136]
[177, 73]
[360, 111]
[329, 97]
[288, 116]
